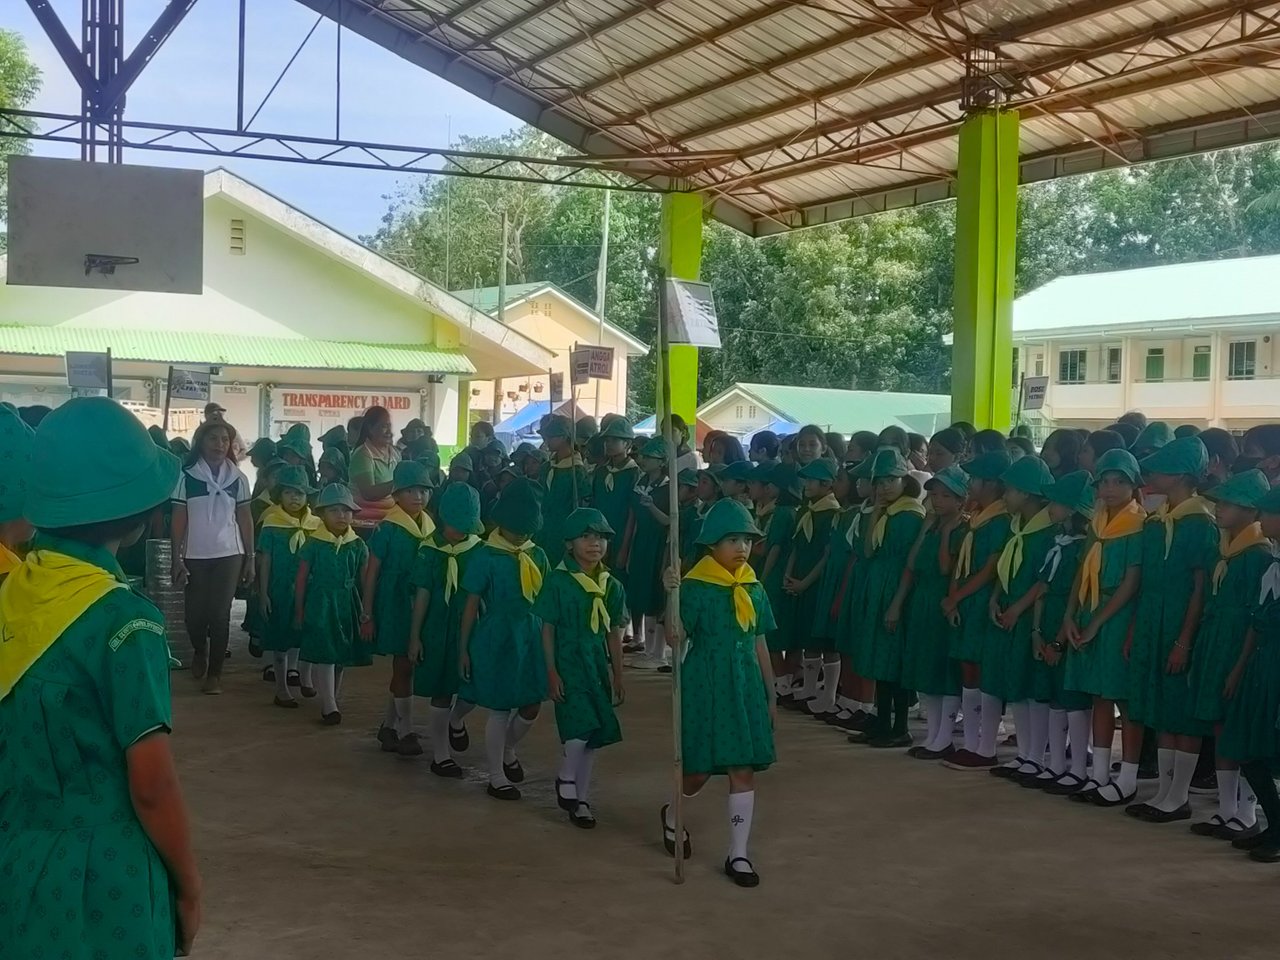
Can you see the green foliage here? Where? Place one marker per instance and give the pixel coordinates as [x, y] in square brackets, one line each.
[19, 82]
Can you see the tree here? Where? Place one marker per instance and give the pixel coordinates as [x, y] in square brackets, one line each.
[19, 83]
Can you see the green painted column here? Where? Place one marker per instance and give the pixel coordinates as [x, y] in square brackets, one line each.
[986, 237]
[680, 255]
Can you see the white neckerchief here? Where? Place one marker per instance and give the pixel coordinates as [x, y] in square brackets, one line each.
[220, 506]
[1271, 579]
[1049, 569]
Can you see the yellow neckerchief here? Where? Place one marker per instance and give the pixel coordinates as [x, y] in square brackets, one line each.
[530, 575]
[39, 600]
[419, 529]
[322, 534]
[1195, 506]
[964, 560]
[1010, 561]
[707, 570]
[452, 552]
[1250, 536]
[9, 561]
[855, 528]
[1127, 521]
[805, 522]
[610, 470]
[568, 463]
[903, 504]
[595, 588]
[277, 517]
[764, 517]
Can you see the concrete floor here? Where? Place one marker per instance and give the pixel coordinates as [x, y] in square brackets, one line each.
[314, 844]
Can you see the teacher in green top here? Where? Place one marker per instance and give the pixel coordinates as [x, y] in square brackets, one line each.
[373, 464]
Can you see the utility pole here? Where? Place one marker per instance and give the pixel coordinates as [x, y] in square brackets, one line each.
[502, 306]
[602, 273]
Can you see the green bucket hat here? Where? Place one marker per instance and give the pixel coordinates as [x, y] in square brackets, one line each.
[715, 471]
[585, 429]
[527, 450]
[273, 467]
[179, 446]
[519, 508]
[585, 520]
[16, 439]
[1074, 490]
[1246, 489]
[263, 447]
[740, 471]
[293, 478]
[784, 477]
[92, 461]
[952, 478]
[1271, 502]
[595, 446]
[862, 469]
[724, 519]
[1185, 430]
[820, 469]
[687, 478]
[336, 495]
[1154, 435]
[158, 436]
[460, 508]
[336, 457]
[296, 443]
[887, 463]
[462, 461]
[655, 448]
[409, 474]
[618, 429]
[989, 466]
[1028, 474]
[417, 449]
[1118, 461]
[429, 459]
[496, 447]
[1187, 455]
[333, 437]
[556, 426]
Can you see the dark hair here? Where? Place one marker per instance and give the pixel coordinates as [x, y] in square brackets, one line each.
[202, 431]
[966, 429]
[1023, 444]
[1220, 444]
[1185, 430]
[911, 487]
[355, 422]
[895, 437]
[32, 415]
[484, 426]
[837, 445]
[787, 443]
[104, 531]
[986, 441]
[1083, 433]
[371, 418]
[1266, 436]
[951, 440]
[1066, 444]
[917, 442]
[1127, 432]
[866, 442]
[730, 449]
[1135, 418]
[1077, 524]
[1100, 441]
[767, 441]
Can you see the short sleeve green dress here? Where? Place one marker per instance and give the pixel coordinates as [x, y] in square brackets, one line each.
[927, 666]
[278, 634]
[1249, 731]
[559, 501]
[645, 595]
[1099, 668]
[690, 520]
[582, 654]
[968, 639]
[78, 875]
[1008, 656]
[850, 623]
[331, 606]
[1156, 698]
[437, 673]
[806, 552]
[877, 654]
[779, 529]
[612, 490]
[835, 577]
[724, 704]
[508, 668]
[1058, 573]
[374, 470]
[397, 550]
[1228, 611]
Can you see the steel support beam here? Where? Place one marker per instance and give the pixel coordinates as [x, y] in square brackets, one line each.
[165, 23]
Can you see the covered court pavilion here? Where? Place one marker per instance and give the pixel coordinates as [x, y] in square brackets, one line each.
[770, 115]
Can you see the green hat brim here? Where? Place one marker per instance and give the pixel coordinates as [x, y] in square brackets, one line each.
[955, 483]
[590, 521]
[726, 518]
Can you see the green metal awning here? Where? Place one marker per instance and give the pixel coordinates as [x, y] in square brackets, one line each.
[229, 350]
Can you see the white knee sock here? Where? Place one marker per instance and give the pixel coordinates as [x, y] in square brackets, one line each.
[440, 734]
[830, 681]
[1164, 767]
[583, 777]
[989, 724]
[1101, 771]
[389, 715]
[810, 667]
[1182, 768]
[653, 640]
[1247, 805]
[1021, 711]
[1079, 733]
[459, 713]
[495, 743]
[291, 658]
[946, 724]
[1057, 742]
[516, 729]
[1228, 793]
[1038, 725]
[307, 674]
[932, 705]
[568, 775]
[971, 703]
[404, 716]
[1127, 778]
[282, 685]
[782, 684]
[741, 808]
[324, 687]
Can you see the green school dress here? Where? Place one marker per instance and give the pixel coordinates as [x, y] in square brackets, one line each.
[850, 623]
[779, 531]
[397, 551]
[559, 501]
[331, 606]
[927, 666]
[645, 595]
[806, 551]
[1249, 731]
[1058, 573]
[1227, 614]
[78, 875]
[612, 492]
[1158, 699]
[835, 577]
[582, 654]
[968, 639]
[877, 654]
[436, 675]
[690, 522]
[1099, 668]
[724, 705]
[508, 669]
[277, 632]
[1008, 656]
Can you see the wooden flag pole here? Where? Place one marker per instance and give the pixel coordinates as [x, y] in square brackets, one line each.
[168, 393]
[674, 628]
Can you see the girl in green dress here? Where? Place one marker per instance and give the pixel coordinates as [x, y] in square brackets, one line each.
[927, 667]
[333, 467]
[1178, 543]
[859, 693]
[582, 610]
[776, 518]
[95, 847]
[565, 477]
[727, 704]
[436, 622]
[387, 598]
[1098, 621]
[645, 554]
[613, 483]
[1242, 556]
[690, 513]
[810, 545]
[832, 587]
[1008, 657]
[282, 533]
[500, 645]
[326, 598]
[967, 601]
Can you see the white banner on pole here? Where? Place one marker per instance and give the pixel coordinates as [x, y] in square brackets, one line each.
[691, 314]
[1033, 392]
[88, 371]
[189, 383]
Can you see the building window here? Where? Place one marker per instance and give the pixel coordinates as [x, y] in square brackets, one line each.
[1155, 365]
[1071, 366]
[737, 412]
[1201, 362]
[237, 238]
[1039, 364]
[751, 412]
[1016, 372]
[1113, 364]
[1242, 359]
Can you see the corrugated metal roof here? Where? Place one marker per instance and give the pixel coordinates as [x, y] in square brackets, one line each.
[846, 410]
[783, 93]
[485, 299]
[214, 349]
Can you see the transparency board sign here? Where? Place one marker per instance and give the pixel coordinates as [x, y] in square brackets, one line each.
[189, 383]
[88, 371]
[587, 363]
[1033, 392]
[691, 314]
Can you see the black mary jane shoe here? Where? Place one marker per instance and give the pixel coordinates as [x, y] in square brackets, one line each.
[292, 678]
[1021, 777]
[890, 741]
[459, 739]
[389, 740]
[1086, 792]
[793, 703]
[1261, 839]
[1267, 853]
[1039, 781]
[1065, 786]
[1005, 772]
[1109, 795]
[513, 772]
[504, 792]
[669, 836]
[848, 724]
[743, 878]
[1152, 815]
[1233, 829]
[1207, 828]
[308, 692]
[409, 746]
[1138, 810]
[567, 804]
[268, 673]
[289, 704]
[582, 817]
[924, 753]
[331, 719]
[448, 769]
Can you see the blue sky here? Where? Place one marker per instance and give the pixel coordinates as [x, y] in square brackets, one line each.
[193, 80]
